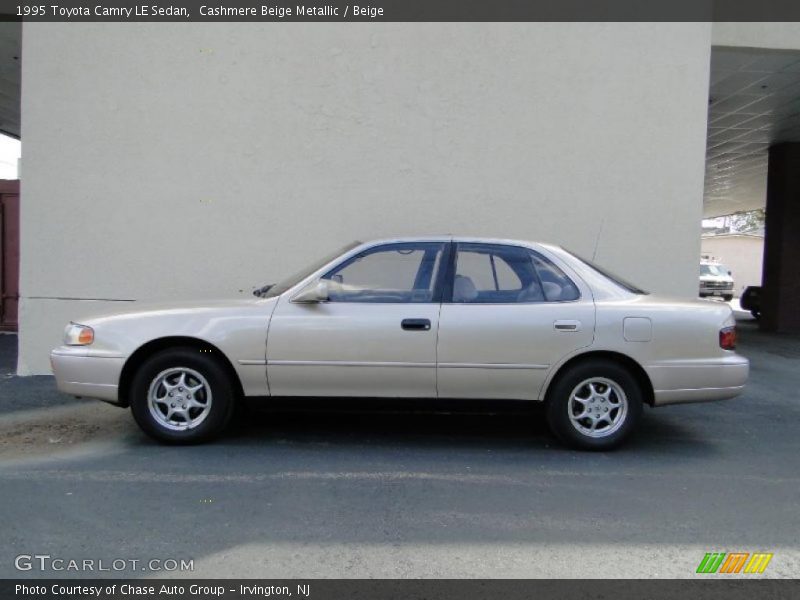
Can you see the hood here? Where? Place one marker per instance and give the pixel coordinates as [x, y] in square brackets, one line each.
[128, 310]
[725, 278]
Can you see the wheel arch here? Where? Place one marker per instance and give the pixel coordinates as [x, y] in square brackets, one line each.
[146, 350]
[618, 357]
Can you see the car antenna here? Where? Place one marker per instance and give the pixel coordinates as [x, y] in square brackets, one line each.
[597, 240]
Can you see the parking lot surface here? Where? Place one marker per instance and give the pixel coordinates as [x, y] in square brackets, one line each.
[302, 493]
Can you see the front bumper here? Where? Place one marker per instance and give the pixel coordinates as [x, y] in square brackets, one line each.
[704, 293]
[676, 382]
[81, 372]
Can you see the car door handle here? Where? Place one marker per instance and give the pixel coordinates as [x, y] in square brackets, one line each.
[416, 324]
[566, 325]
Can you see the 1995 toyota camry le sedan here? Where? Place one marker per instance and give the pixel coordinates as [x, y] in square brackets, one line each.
[434, 317]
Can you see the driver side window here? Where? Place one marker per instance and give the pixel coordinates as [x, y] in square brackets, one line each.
[394, 273]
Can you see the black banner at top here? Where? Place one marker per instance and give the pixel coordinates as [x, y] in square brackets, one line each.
[401, 10]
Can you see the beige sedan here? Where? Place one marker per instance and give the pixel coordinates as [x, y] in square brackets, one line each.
[435, 317]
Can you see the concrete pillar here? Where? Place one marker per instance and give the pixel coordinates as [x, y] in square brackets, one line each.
[780, 296]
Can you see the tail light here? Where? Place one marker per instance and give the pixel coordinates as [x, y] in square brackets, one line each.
[727, 338]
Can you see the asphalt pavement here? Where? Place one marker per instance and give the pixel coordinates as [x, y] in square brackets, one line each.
[23, 393]
[302, 493]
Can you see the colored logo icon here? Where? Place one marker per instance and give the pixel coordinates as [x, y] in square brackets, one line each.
[734, 562]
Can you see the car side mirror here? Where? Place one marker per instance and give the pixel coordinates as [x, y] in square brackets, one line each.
[317, 291]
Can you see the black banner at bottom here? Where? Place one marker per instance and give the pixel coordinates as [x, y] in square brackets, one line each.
[399, 589]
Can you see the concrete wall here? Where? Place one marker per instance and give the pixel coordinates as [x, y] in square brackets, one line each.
[775, 36]
[184, 161]
[742, 254]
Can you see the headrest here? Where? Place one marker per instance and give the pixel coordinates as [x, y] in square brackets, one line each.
[463, 289]
[552, 290]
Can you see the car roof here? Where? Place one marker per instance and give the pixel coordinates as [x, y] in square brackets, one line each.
[457, 238]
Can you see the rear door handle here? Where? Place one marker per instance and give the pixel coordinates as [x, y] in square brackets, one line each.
[416, 324]
[567, 325]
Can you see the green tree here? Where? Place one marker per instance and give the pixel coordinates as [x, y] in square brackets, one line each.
[746, 221]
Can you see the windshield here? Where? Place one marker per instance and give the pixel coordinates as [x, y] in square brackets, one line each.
[718, 270]
[611, 276]
[280, 287]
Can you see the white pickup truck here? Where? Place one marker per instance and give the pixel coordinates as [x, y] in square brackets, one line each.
[715, 280]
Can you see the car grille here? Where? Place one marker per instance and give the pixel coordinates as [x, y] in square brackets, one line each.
[717, 285]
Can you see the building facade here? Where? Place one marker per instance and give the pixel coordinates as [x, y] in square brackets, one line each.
[742, 253]
[174, 161]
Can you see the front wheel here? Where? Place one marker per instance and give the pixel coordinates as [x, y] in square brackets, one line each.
[594, 405]
[182, 395]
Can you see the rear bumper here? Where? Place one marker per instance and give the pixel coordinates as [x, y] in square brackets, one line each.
[78, 372]
[676, 382]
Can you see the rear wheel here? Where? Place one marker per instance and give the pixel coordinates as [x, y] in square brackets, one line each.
[594, 405]
[728, 298]
[182, 395]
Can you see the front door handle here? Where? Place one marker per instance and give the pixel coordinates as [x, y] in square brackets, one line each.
[416, 324]
[567, 325]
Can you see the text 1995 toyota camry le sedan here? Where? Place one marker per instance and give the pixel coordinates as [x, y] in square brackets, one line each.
[439, 317]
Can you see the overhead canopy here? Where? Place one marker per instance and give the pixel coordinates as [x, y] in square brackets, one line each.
[754, 102]
[10, 55]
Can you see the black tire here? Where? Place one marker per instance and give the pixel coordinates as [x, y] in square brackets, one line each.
[756, 314]
[728, 298]
[194, 360]
[559, 404]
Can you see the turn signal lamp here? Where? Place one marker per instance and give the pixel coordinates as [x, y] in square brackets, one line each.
[78, 335]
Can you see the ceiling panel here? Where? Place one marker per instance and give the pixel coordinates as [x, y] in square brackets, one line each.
[754, 101]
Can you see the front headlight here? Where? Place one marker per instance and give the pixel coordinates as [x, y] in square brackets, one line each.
[78, 335]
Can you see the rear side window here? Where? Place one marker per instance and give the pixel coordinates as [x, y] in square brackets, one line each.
[499, 274]
[489, 272]
[556, 285]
